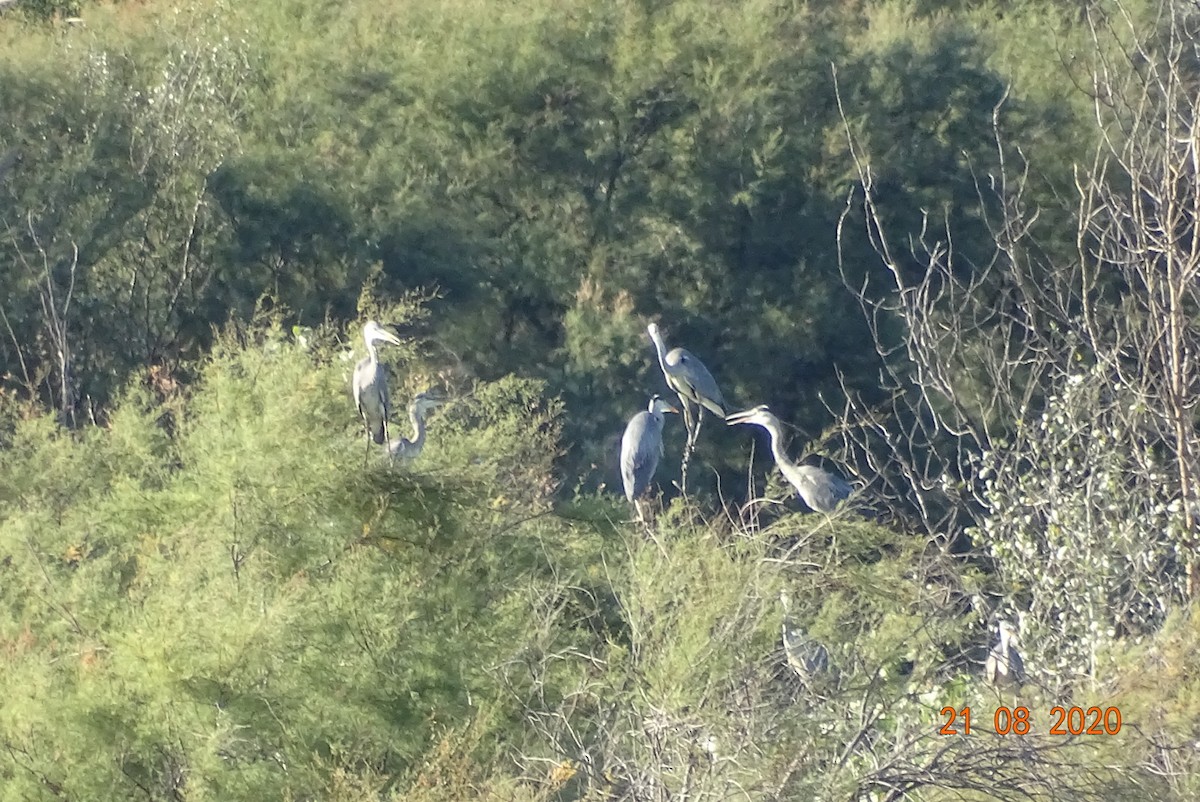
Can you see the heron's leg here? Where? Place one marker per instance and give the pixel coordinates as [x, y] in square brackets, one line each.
[646, 507]
[687, 415]
[693, 423]
[690, 424]
[693, 436]
[367, 453]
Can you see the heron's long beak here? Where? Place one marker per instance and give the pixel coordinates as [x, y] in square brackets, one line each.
[672, 409]
[430, 400]
[387, 336]
[734, 418]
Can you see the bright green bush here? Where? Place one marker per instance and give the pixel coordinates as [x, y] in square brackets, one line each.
[245, 610]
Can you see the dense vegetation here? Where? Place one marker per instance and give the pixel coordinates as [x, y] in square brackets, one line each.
[953, 242]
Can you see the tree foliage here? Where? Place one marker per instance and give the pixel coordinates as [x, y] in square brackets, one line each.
[952, 242]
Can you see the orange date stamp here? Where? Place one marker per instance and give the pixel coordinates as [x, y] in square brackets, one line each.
[1017, 721]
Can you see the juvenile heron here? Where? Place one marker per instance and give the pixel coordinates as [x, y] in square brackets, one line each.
[821, 490]
[641, 448]
[691, 381]
[369, 384]
[805, 656]
[1004, 666]
[403, 448]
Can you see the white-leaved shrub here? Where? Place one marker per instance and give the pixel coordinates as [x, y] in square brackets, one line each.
[1082, 528]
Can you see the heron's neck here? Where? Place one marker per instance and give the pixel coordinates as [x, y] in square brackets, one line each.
[781, 458]
[418, 422]
[661, 349]
[371, 352]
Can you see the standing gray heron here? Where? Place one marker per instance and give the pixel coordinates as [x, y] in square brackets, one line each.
[1004, 666]
[403, 448]
[805, 656]
[691, 381]
[641, 448]
[369, 385]
[821, 490]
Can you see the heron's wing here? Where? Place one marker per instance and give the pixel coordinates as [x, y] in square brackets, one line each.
[825, 490]
[640, 448]
[806, 656]
[839, 487]
[381, 377]
[700, 380]
[1016, 665]
[358, 381]
[645, 457]
[370, 397]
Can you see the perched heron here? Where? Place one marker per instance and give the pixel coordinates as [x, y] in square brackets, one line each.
[370, 384]
[805, 656]
[1004, 666]
[641, 447]
[403, 448]
[821, 490]
[691, 381]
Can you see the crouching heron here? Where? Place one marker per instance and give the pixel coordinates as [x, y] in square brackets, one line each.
[641, 448]
[805, 656]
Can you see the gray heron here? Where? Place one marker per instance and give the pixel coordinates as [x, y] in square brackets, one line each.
[691, 381]
[641, 448]
[370, 384]
[821, 490]
[1004, 666]
[403, 448]
[805, 656]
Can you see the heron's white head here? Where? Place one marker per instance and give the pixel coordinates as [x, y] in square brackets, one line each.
[759, 415]
[658, 406]
[654, 333]
[373, 332]
[1008, 631]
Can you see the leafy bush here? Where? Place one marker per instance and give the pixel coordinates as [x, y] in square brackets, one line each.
[1083, 531]
[246, 610]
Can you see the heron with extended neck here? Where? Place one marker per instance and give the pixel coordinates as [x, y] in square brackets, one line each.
[695, 386]
[821, 490]
[405, 448]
